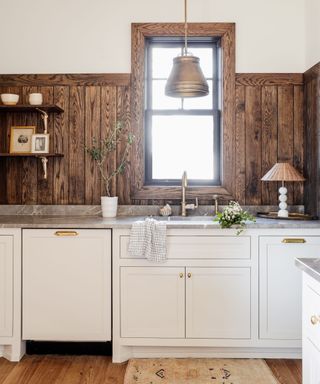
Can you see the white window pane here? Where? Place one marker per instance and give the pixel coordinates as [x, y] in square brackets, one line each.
[182, 143]
[206, 61]
[162, 60]
[160, 100]
[204, 102]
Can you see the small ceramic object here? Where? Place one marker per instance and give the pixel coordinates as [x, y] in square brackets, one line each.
[166, 210]
[35, 98]
[9, 98]
[109, 206]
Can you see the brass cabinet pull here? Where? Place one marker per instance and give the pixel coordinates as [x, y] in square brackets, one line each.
[315, 320]
[189, 275]
[181, 275]
[66, 233]
[294, 240]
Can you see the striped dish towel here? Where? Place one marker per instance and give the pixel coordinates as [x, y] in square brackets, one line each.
[148, 239]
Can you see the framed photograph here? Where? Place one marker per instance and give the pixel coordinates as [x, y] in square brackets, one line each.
[20, 139]
[40, 143]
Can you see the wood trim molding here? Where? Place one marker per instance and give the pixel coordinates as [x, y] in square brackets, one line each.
[312, 73]
[71, 79]
[139, 31]
[260, 79]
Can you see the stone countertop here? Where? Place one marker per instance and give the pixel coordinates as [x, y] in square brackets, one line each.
[310, 266]
[93, 221]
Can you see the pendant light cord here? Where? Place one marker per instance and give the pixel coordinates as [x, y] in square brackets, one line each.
[185, 28]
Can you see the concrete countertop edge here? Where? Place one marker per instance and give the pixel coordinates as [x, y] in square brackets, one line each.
[311, 266]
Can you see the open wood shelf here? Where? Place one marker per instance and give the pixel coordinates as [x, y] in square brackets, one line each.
[31, 108]
[31, 154]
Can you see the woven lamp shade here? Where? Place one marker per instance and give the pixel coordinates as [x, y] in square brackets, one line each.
[283, 172]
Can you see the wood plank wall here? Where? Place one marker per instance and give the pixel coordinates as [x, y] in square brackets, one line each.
[312, 139]
[91, 105]
[269, 128]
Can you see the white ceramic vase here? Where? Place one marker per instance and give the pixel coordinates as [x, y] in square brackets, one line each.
[109, 206]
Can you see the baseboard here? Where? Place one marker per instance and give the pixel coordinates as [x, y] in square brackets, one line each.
[69, 348]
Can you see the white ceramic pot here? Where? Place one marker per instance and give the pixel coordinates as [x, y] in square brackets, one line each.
[35, 99]
[109, 206]
[9, 98]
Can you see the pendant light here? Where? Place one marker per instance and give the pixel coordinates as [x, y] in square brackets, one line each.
[186, 78]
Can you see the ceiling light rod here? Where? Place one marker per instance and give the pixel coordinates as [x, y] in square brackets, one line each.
[185, 29]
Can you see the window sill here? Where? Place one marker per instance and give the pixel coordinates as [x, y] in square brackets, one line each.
[174, 192]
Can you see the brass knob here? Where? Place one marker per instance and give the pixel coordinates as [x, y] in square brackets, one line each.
[314, 320]
[189, 275]
[181, 275]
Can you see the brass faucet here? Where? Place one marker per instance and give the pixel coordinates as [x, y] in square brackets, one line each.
[184, 205]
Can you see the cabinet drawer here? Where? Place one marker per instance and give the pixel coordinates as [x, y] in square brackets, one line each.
[200, 247]
[311, 310]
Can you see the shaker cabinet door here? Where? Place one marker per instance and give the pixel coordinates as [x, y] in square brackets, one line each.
[152, 302]
[67, 285]
[218, 303]
[6, 285]
[280, 285]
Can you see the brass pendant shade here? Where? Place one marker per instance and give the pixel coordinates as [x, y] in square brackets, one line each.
[186, 78]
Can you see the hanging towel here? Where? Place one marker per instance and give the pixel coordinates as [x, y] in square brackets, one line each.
[148, 239]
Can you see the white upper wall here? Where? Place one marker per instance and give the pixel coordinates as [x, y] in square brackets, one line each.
[74, 36]
[312, 32]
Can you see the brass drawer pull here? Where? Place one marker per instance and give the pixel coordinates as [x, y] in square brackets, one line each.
[189, 275]
[66, 233]
[315, 320]
[294, 241]
[181, 275]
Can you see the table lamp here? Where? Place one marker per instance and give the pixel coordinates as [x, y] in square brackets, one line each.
[283, 172]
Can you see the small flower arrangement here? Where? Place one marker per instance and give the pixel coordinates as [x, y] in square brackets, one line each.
[234, 214]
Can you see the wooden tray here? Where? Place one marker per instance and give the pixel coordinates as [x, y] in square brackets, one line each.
[292, 216]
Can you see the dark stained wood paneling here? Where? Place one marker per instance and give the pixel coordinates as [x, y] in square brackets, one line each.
[240, 191]
[267, 127]
[253, 145]
[81, 79]
[273, 125]
[285, 130]
[61, 139]
[312, 139]
[92, 130]
[269, 155]
[76, 146]
[29, 177]
[259, 79]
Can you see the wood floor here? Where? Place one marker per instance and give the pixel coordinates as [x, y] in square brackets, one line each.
[99, 370]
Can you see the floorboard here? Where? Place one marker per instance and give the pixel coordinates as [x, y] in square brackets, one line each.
[49, 369]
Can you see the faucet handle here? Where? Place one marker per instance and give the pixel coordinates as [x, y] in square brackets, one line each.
[193, 206]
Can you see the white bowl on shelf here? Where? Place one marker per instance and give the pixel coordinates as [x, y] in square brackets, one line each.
[9, 98]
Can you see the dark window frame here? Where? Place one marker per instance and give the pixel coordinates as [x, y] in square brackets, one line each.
[169, 42]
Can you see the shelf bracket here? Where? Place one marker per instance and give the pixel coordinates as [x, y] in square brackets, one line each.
[44, 117]
[44, 161]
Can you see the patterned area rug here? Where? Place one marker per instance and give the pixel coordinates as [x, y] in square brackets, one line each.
[198, 371]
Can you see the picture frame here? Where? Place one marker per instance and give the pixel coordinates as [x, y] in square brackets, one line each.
[21, 138]
[40, 143]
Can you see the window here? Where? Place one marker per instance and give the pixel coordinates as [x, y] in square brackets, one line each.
[181, 134]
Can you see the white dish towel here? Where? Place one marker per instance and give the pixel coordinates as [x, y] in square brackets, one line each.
[148, 239]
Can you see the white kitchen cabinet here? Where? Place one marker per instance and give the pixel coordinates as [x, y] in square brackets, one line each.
[6, 286]
[152, 302]
[311, 363]
[67, 285]
[311, 330]
[280, 287]
[218, 303]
